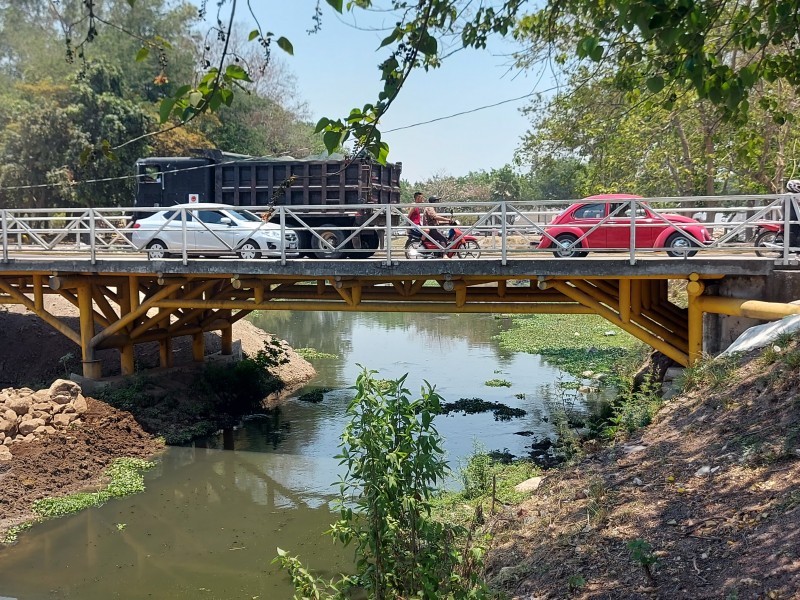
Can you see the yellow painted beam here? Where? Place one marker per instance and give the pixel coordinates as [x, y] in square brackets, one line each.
[753, 309]
[647, 337]
[49, 318]
[423, 307]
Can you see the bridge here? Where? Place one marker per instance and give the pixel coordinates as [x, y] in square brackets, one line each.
[124, 298]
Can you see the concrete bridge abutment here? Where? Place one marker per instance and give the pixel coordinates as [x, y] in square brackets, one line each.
[721, 330]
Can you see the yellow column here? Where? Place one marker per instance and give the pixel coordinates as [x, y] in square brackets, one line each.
[694, 290]
[127, 362]
[91, 367]
[165, 352]
[226, 333]
[198, 347]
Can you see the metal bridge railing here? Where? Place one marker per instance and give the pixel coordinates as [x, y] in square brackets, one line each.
[628, 228]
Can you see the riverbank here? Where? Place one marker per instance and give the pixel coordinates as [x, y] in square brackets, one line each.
[63, 461]
[702, 503]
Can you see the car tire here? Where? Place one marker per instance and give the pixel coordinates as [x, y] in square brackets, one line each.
[763, 241]
[333, 237]
[678, 246]
[567, 239]
[250, 250]
[157, 250]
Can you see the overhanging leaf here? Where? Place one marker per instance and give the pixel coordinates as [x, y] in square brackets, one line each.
[285, 45]
[142, 54]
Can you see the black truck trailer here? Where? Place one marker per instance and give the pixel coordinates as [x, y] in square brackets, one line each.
[333, 186]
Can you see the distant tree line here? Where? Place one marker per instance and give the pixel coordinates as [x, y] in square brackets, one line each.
[66, 122]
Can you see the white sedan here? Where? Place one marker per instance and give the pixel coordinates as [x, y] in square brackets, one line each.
[210, 230]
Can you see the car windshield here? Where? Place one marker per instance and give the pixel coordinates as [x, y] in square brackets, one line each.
[245, 215]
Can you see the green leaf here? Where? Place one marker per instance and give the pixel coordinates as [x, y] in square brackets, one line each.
[253, 35]
[331, 140]
[655, 84]
[195, 98]
[597, 53]
[427, 44]
[165, 109]
[142, 54]
[395, 35]
[237, 72]
[285, 45]
[322, 124]
[336, 4]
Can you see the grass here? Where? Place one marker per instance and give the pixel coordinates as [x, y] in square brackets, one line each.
[573, 343]
[477, 474]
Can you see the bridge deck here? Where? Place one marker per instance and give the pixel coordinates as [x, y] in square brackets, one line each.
[126, 300]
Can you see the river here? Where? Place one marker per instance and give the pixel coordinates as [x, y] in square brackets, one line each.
[213, 514]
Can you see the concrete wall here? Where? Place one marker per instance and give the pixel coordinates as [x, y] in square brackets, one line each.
[719, 331]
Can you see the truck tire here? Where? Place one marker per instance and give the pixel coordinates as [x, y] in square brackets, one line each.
[369, 244]
[333, 237]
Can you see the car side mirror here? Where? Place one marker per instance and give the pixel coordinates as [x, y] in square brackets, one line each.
[226, 221]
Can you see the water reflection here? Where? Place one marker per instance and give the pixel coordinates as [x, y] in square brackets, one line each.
[212, 516]
[207, 526]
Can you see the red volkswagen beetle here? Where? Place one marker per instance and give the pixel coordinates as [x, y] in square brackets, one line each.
[604, 222]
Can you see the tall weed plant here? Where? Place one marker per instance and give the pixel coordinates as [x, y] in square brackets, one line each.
[394, 462]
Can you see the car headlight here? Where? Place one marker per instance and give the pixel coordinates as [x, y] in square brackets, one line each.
[271, 234]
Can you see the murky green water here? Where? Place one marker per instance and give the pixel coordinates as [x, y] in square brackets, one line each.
[211, 518]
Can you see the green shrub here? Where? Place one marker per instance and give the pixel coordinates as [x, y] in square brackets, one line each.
[394, 460]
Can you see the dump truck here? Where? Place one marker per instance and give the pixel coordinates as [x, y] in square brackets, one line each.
[333, 186]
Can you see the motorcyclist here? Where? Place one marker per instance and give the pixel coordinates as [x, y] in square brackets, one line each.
[431, 219]
[415, 215]
[793, 187]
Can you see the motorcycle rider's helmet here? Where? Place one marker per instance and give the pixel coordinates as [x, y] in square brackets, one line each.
[434, 199]
[793, 186]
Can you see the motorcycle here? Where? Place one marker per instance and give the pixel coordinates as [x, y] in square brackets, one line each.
[769, 240]
[458, 245]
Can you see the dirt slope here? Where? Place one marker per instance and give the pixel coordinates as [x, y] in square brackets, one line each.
[713, 486]
[33, 354]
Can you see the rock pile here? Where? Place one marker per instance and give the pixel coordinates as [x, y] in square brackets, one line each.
[26, 414]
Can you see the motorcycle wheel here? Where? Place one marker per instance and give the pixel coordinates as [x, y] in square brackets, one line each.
[469, 249]
[766, 240]
[414, 249]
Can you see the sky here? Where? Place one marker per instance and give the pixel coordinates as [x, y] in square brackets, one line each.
[336, 70]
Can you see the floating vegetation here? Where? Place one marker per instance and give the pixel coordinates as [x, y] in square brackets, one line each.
[126, 479]
[314, 354]
[520, 396]
[497, 383]
[573, 343]
[314, 396]
[472, 406]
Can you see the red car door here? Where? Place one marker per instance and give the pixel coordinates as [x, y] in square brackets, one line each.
[619, 227]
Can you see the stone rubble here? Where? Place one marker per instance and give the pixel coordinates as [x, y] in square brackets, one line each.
[26, 415]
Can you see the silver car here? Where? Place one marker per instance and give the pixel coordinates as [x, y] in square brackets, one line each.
[211, 230]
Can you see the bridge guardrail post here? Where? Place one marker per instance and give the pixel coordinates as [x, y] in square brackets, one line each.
[787, 200]
[632, 258]
[184, 250]
[282, 220]
[503, 234]
[388, 235]
[5, 236]
[92, 239]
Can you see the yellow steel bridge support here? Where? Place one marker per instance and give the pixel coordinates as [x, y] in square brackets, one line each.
[121, 310]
